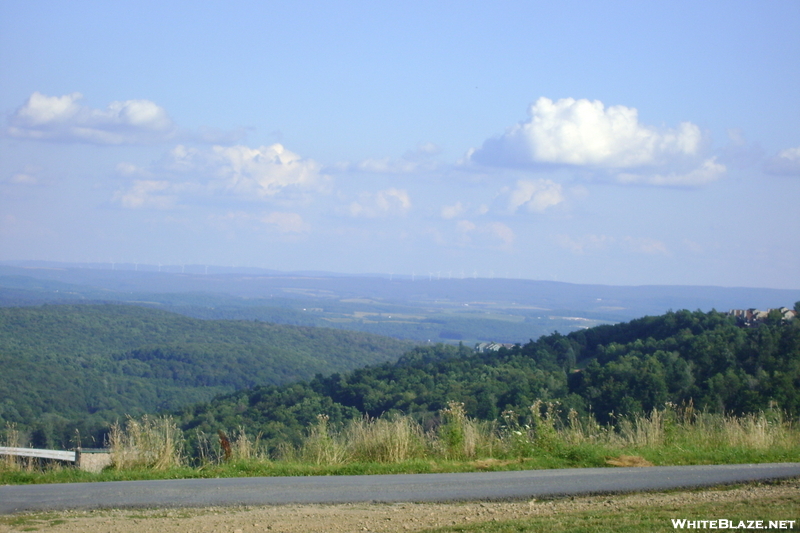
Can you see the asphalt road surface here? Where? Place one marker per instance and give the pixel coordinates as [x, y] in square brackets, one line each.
[384, 488]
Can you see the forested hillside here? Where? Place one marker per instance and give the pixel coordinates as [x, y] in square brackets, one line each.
[705, 358]
[68, 367]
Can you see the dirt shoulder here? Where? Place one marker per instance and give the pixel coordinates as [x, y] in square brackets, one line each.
[384, 518]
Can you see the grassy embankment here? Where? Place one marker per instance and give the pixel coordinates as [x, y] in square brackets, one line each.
[154, 448]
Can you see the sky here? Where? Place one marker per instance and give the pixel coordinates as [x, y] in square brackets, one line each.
[618, 143]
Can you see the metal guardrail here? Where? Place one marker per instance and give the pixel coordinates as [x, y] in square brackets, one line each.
[73, 456]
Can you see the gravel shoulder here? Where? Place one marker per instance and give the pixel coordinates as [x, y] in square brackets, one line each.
[384, 518]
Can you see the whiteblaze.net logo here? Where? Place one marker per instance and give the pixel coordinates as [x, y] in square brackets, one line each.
[723, 523]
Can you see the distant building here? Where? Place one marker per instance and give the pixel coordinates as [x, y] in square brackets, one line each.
[483, 347]
[752, 317]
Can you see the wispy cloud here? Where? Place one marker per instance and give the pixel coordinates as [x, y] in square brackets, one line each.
[646, 245]
[28, 176]
[589, 243]
[452, 211]
[285, 222]
[420, 159]
[584, 243]
[708, 171]
[289, 225]
[380, 204]
[148, 194]
[493, 235]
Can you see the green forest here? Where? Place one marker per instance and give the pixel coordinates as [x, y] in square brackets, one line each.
[81, 367]
[606, 371]
[72, 370]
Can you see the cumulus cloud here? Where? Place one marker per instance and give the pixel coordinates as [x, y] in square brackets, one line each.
[383, 203]
[63, 118]
[785, 163]
[252, 172]
[535, 195]
[239, 172]
[583, 132]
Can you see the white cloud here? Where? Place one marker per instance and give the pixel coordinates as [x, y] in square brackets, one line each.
[465, 226]
[452, 211]
[489, 233]
[24, 179]
[63, 118]
[418, 160]
[251, 172]
[152, 194]
[502, 232]
[586, 133]
[646, 246]
[786, 162]
[707, 172]
[585, 243]
[535, 195]
[383, 203]
[286, 222]
[130, 170]
[593, 243]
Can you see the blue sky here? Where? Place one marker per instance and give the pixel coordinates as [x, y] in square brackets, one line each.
[615, 143]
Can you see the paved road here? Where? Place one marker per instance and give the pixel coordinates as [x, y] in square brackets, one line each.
[386, 488]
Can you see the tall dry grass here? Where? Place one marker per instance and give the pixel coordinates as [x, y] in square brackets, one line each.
[757, 431]
[543, 430]
[392, 439]
[11, 440]
[459, 436]
[220, 448]
[323, 446]
[155, 443]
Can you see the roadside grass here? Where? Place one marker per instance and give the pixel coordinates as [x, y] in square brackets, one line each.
[650, 518]
[154, 448]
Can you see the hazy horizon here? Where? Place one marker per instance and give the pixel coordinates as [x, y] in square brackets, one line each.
[627, 144]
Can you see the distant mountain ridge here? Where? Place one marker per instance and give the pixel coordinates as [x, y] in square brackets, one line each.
[433, 308]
